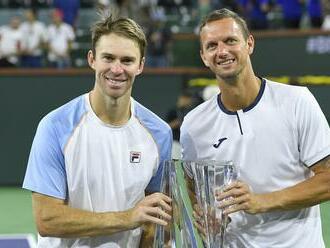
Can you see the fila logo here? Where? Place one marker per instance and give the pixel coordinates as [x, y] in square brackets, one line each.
[216, 145]
[135, 157]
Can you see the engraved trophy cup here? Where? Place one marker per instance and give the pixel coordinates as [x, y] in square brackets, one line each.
[211, 177]
[189, 183]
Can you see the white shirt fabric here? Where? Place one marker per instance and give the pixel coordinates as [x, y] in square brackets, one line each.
[34, 34]
[10, 43]
[59, 38]
[96, 166]
[273, 143]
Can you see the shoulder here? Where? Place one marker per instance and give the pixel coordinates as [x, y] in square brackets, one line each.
[291, 99]
[39, 25]
[67, 27]
[5, 28]
[287, 93]
[149, 119]
[24, 25]
[198, 114]
[65, 117]
[51, 28]
[287, 88]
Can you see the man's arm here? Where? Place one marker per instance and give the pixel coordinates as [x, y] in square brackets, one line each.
[148, 235]
[308, 193]
[55, 218]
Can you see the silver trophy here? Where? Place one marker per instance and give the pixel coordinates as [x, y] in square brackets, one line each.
[188, 184]
[211, 177]
[181, 233]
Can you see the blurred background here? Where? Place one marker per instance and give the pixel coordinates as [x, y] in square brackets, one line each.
[43, 48]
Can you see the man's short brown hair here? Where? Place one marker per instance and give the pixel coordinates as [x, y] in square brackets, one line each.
[121, 26]
[226, 13]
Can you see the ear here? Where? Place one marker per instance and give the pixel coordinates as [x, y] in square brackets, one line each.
[250, 43]
[203, 58]
[91, 59]
[141, 66]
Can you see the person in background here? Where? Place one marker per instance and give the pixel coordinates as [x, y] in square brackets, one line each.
[10, 43]
[314, 10]
[60, 37]
[174, 118]
[276, 135]
[70, 10]
[127, 8]
[94, 159]
[159, 43]
[326, 14]
[210, 91]
[255, 12]
[203, 8]
[103, 4]
[292, 12]
[34, 40]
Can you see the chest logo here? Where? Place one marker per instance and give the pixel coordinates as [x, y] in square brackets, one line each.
[216, 145]
[135, 157]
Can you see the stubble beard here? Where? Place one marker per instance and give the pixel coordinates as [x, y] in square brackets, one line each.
[230, 79]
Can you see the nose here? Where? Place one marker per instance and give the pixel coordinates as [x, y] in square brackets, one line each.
[222, 48]
[116, 68]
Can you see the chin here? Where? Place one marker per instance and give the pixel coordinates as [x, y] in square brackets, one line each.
[114, 96]
[227, 76]
[230, 75]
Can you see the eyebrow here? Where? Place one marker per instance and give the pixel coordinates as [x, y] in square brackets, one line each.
[208, 43]
[112, 55]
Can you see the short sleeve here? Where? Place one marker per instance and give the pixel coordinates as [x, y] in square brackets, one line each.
[70, 33]
[165, 154]
[313, 129]
[45, 171]
[189, 152]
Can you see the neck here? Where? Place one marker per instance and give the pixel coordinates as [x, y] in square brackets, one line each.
[114, 111]
[239, 93]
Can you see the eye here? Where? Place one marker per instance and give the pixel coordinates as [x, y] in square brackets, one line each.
[107, 58]
[127, 61]
[211, 46]
[231, 41]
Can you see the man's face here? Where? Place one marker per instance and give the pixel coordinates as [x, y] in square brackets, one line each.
[57, 17]
[116, 63]
[15, 22]
[29, 16]
[224, 49]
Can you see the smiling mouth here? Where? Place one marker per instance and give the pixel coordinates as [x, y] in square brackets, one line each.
[115, 81]
[226, 62]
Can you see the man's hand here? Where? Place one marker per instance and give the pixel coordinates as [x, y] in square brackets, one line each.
[199, 222]
[238, 196]
[155, 208]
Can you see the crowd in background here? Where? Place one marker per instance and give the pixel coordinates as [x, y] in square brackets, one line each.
[26, 41]
[31, 43]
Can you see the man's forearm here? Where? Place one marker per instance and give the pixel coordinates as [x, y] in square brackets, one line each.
[64, 221]
[307, 193]
[148, 235]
